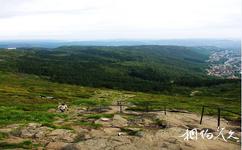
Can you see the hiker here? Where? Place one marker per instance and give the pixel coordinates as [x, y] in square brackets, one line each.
[63, 107]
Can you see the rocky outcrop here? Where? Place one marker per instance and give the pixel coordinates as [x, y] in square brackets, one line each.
[119, 121]
[35, 130]
[62, 135]
[56, 145]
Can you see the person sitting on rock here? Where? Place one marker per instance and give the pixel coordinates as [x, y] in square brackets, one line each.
[63, 107]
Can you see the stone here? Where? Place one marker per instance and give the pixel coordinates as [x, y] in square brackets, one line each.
[96, 133]
[105, 119]
[70, 147]
[111, 131]
[40, 148]
[34, 125]
[35, 131]
[62, 135]
[41, 132]
[5, 130]
[147, 122]
[174, 147]
[13, 140]
[39, 135]
[162, 123]
[140, 134]
[25, 133]
[103, 123]
[56, 145]
[172, 140]
[119, 121]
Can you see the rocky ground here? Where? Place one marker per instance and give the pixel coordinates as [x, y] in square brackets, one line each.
[128, 130]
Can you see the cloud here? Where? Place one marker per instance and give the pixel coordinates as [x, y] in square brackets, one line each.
[109, 19]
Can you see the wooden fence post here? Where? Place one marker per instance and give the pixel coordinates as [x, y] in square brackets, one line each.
[219, 117]
[165, 110]
[120, 107]
[202, 115]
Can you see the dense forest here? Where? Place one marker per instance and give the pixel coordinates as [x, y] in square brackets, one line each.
[136, 68]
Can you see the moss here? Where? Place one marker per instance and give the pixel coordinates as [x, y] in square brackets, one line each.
[98, 116]
[3, 135]
[131, 132]
[89, 124]
[24, 145]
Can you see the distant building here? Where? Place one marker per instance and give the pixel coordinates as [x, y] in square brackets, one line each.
[11, 48]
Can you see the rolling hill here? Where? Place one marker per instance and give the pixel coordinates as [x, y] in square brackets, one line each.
[138, 68]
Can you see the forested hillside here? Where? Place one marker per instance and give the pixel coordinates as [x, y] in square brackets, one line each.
[137, 68]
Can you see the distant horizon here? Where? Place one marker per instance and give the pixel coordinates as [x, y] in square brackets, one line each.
[89, 40]
[45, 43]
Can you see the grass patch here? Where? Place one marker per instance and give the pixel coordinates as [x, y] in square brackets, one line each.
[16, 132]
[3, 135]
[89, 124]
[161, 123]
[131, 132]
[98, 116]
[24, 145]
[10, 115]
[57, 127]
[79, 137]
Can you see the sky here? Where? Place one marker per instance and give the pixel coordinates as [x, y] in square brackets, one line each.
[119, 19]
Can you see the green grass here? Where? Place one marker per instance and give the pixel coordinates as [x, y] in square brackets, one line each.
[98, 116]
[24, 145]
[85, 102]
[57, 127]
[193, 104]
[20, 101]
[3, 135]
[130, 132]
[10, 115]
[89, 124]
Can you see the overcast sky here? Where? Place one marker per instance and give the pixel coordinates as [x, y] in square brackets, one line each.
[119, 19]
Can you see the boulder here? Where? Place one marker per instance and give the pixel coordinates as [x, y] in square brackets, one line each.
[174, 147]
[70, 147]
[147, 122]
[42, 131]
[62, 135]
[56, 145]
[103, 123]
[172, 140]
[119, 121]
[34, 125]
[35, 131]
[111, 131]
[25, 133]
[105, 119]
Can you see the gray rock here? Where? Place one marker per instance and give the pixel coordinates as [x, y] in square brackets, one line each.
[25, 133]
[62, 135]
[174, 147]
[119, 121]
[34, 125]
[140, 134]
[56, 145]
[172, 140]
[70, 147]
